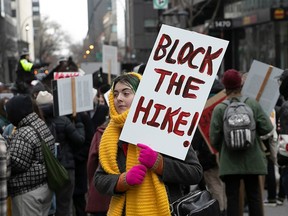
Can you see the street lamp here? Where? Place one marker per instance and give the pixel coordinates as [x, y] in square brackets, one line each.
[27, 28]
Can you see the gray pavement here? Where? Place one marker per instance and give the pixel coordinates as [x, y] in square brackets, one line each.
[275, 211]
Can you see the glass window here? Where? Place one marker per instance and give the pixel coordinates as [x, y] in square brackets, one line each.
[150, 25]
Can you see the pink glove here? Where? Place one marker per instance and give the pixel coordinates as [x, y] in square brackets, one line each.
[136, 174]
[147, 156]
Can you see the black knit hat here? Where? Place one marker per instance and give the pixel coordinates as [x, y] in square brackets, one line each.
[18, 107]
[283, 89]
[283, 76]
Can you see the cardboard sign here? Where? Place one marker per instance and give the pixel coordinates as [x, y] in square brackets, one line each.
[109, 63]
[262, 85]
[205, 120]
[63, 95]
[171, 96]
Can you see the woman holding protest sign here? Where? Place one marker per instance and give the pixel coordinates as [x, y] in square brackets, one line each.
[140, 180]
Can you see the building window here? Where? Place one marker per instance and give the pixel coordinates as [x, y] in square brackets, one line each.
[13, 13]
[35, 9]
[150, 25]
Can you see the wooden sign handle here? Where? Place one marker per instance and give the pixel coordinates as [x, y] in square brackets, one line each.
[73, 91]
[109, 71]
[264, 83]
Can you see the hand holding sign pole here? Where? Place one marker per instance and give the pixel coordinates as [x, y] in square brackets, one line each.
[172, 93]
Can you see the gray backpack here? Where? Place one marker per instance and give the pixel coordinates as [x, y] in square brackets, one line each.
[239, 124]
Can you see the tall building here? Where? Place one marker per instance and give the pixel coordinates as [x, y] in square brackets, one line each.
[256, 30]
[8, 42]
[97, 9]
[25, 25]
[142, 29]
[132, 26]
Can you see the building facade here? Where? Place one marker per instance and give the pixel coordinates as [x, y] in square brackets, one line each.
[255, 29]
[8, 42]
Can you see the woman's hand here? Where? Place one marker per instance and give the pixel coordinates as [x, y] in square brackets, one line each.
[147, 156]
[136, 175]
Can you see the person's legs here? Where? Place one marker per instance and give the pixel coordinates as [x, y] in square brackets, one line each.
[33, 203]
[80, 189]
[232, 185]
[271, 183]
[285, 180]
[281, 192]
[216, 186]
[253, 194]
[81, 204]
[64, 198]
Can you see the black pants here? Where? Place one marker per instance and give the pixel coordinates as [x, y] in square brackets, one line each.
[284, 177]
[252, 190]
[79, 204]
[271, 180]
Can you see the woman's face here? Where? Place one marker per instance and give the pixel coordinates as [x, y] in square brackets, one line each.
[123, 97]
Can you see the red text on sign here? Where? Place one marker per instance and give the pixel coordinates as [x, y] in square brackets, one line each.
[186, 54]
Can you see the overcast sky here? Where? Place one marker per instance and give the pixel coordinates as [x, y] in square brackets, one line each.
[70, 14]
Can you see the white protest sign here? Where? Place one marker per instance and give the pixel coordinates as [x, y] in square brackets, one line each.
[110, 59]
[62, 95]
[254, 81]
[173, 91]
[6, 95]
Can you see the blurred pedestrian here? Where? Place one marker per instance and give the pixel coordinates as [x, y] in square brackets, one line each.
[5, 172]
[3, 115]
[25, 72]
[282, 157]
[97, 204]
[28, 182]
[80, 157]
[70, 138]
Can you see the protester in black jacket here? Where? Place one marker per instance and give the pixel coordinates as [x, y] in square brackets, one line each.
[81, 157]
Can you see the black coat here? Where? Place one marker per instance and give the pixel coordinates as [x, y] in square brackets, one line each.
[70, 137]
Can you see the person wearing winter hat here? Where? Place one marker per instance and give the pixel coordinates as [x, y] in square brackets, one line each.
[70, 138]
[138, 178]
[232, 80]
[44, 97]
[236, 165]
[27, 185]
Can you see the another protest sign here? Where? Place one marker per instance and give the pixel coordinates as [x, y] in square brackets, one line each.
[204, 122]
[109, 61]
[171, 96]
[72, 95]
[262, 85]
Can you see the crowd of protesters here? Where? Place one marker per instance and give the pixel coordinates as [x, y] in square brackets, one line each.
[101, 184]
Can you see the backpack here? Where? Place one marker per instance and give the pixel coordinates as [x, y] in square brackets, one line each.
[238, 124]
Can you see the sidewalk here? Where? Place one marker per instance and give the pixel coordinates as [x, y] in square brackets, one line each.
[275, 211]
